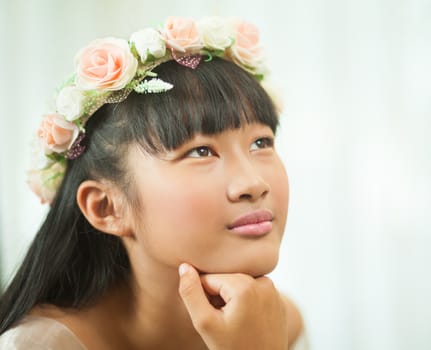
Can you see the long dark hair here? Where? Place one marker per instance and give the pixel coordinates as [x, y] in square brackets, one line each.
[70, 263]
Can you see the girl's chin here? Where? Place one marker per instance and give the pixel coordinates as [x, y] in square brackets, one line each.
[257, 267]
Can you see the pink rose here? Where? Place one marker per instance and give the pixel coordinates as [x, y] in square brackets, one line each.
[246, 47]
[56, 133]
[35, 184]
[181, 34]
[105, 64]
[45, 182]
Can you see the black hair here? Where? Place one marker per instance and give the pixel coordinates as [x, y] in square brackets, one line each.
[70, 263]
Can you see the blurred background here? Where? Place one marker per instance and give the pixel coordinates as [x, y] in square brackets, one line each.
[355, 77]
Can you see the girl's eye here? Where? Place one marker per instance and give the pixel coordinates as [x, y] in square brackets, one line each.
[264, 142]
[200, 152]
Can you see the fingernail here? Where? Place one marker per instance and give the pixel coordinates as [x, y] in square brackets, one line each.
[183, 269]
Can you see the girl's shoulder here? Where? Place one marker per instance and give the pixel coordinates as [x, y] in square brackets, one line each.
[39, 333]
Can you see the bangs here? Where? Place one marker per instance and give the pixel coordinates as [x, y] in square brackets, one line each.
[216, 96]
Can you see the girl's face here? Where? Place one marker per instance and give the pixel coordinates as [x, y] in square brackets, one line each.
[218, 202]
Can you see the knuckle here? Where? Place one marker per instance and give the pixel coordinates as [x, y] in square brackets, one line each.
[267, 283]
[245, 280]
[204, 323]
[246, 287]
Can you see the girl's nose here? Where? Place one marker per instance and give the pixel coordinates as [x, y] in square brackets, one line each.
[246, 183]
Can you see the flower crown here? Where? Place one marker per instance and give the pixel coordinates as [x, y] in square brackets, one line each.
[108, 69]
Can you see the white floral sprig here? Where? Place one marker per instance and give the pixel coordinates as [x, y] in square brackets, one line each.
[107, 70]
[153, 86]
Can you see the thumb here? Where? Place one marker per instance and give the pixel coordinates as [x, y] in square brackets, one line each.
[193, 295]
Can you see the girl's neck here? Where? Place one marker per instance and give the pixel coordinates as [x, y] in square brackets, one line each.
[133, 315]
[156, 310]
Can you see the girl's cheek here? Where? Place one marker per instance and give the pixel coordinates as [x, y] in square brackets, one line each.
[280, 186]
[184, 201]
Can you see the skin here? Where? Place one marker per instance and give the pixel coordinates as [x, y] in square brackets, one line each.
[191, 196]
[187, 198]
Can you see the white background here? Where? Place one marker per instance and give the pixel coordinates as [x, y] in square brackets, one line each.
[356, 81]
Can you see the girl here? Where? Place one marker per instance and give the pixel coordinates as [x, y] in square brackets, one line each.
[168, 201]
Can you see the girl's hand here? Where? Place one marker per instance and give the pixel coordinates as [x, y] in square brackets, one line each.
[253, 317]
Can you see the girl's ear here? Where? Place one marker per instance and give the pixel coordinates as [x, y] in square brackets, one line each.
[103, 207]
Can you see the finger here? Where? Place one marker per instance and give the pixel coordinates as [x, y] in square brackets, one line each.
[228, 286]
[193, 295]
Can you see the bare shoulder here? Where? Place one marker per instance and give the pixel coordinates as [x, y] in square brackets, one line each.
[294, 319]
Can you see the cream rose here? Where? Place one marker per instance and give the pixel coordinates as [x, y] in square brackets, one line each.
[45, 182]
[148, 41]
[215, 33]
[275, 95]
[246, 48]
[181, 34]
[70, 102]
[56, 133]
[105, 64]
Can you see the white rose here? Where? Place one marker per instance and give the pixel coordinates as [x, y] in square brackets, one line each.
[40, 155]
[215, 33]
[148, 41]
[70, 102]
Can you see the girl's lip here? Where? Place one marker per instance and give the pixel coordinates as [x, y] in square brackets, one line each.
[256, 223]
